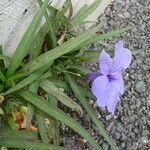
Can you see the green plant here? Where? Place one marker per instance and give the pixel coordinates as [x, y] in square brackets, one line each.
[52, 68]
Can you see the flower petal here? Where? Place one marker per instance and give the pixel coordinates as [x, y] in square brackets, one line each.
[93, 75]
[105, 63]
[112, 100]
[116, 89]
[99, 89]
[122, 57]
[118, 82]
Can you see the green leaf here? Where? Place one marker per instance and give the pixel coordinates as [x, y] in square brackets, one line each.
[91, 55]
[1, 88]
[39, 117]
[2, 77]
[32, 87]
[67, 6]
[17, 76]
[84, 12]
[6, 58]
[60, 84]
[66, 87]
[21, 135]
[2, 67]
[91, 112]
[36, 47]
[58, 114]
[28, 80]
[80, 70]
[50, 26]
[60, 95]
[54, 124]
[42, 127]
[26, 40]
[60, 21]
[107, 35]
[16, 143]
[59, 51]
[30, 112]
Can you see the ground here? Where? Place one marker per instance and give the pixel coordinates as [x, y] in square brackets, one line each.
[130, 126]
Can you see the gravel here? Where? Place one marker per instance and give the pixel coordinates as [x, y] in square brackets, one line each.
[130, 126]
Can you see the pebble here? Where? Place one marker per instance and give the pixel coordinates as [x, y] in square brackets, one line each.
[140, 86]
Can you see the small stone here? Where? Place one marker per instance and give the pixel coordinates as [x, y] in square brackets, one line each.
[138, 103]
[144, 140]
[105, 146]
[140, 86]
[108, 117]
[117, 135]
[127, 15]
[87, 119]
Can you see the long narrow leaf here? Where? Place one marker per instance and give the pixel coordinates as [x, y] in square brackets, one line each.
[59, 51]
[2, 67]
[26, 40]
[84, 12]
[21, 135]
[36, 47]
[66, 87]
[39, 117]
[91, 112]
[16, 143]
[108, 35]
[54, 124]
[60, 95]
[58, 114]
[30, 112]
[51, 30]
[32, 87]
[2, 77]
[6, 58]
[28, 80]
[42, 127]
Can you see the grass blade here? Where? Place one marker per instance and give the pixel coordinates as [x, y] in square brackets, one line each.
[28, 80]
[107, 35]
[36, 47]
[42, 127]
[91, 112]
[29, 117]
[32, 87]
[16, 143]
[2, 67]
[17, 76]
[40, 117]
[84, 12]
[53, 123]
[26, 40]
[58, 114]
[5, 58]
[51, 30]
[60, 95]
[59, 51]
[2, 77]
[22, 135]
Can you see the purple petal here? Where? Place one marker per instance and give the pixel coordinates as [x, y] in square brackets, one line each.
[105, 63]
[99, 89]
[108, 93]
[93, 75]
[118, 82]
[113, 99]
[122, 57]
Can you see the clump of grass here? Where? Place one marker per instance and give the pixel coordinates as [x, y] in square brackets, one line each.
[30, 89]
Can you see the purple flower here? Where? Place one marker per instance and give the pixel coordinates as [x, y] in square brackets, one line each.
[108, 84]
